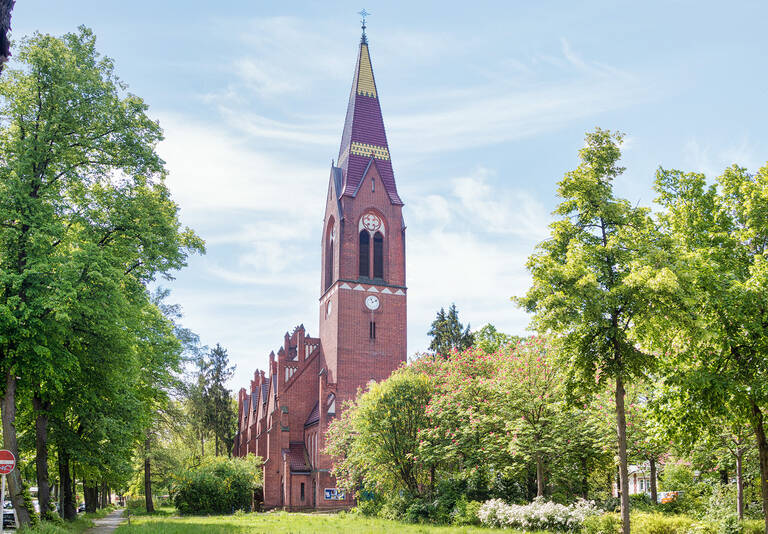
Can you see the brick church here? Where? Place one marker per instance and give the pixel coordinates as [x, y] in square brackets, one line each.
[284, 415]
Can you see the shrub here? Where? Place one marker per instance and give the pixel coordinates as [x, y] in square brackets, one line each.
[730, 525]
[465, 512]
[641, 502]
[602, 524]
[220, 486]
[538, 515]
[661, 524]
[753, 526]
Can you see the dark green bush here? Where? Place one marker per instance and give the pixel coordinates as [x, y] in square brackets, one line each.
[641, 502]
[220, 486]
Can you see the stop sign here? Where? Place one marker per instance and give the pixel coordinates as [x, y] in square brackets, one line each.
[7, 462]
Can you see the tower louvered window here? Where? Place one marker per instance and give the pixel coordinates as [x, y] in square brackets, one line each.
[378, 255]
[365, 254]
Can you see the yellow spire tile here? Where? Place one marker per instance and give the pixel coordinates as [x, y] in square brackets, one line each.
[365, 85]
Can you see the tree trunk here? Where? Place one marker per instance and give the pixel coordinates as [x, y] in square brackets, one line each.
[762, 449]
[148, 479]
[584, 478]
[654, 492]
[739, 486]
[621, 428]
[15, 483]
[68, 509]
[216, 438]
[202, 444]
[103, 501]
[41, 456]
[5, 25]
[90, 491]
[539, 476]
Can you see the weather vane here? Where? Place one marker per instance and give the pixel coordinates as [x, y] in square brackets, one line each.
[363, 14]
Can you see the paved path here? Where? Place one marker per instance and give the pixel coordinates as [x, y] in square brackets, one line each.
[107, 524]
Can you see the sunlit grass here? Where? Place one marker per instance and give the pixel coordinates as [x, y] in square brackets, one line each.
[285, 523]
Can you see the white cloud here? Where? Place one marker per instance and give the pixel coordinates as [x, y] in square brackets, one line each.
[713, 161]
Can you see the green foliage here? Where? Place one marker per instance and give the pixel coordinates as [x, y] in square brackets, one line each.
[465, 512]
[219, 486]
[602, 524]
[657, 523]
[448, 334]
[489, 340]
[375, 440]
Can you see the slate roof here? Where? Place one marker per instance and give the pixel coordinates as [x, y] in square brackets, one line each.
[245, 405]
[364, 136]
[297, 459]
[314, 415]
[264, 390]
[255, 400]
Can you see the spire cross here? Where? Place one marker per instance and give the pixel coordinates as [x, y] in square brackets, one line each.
[363, 14]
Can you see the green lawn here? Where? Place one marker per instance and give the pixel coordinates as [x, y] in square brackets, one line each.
[285, 523]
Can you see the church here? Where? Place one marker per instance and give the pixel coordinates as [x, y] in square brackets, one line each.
[284, 415]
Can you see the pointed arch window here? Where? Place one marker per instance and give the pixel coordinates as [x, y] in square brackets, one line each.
[329, 256]
[365, 254]
[378, 255]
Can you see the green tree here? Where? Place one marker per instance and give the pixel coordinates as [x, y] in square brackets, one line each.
[448, 333]
[489, 340]
[6, 6]
[84, 215]
[535, 400]
[716, 346]
[593, 286]
[221, 416]
[375, 441]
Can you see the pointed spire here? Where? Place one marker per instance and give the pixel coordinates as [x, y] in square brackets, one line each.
[364, 140]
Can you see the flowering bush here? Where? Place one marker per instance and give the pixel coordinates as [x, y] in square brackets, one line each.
[538, 515]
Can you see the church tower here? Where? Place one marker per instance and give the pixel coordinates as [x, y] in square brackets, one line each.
[363, 293]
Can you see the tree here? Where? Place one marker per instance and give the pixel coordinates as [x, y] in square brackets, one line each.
[84, 215]
[489, 340]
[6, 6]
[535, 398]
[448, 333]
[716, 346]
[644, 442]
[222, 418]
[375, 440]
[593, 286]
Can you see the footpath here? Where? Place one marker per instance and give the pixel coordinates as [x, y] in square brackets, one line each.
[107, 524]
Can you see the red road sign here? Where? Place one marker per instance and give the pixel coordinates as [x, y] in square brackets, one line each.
[7, 462]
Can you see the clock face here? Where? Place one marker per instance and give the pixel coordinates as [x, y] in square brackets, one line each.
[372, 302]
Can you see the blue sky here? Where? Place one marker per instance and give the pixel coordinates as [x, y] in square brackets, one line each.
[485, 104]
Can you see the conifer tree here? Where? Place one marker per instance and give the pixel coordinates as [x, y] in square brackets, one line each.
[448, 333]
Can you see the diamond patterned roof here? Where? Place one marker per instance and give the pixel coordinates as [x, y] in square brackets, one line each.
[364, 135]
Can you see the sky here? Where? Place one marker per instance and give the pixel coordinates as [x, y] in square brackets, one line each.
[485, 104]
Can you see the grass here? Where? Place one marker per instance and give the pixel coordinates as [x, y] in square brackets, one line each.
[285, 523]
[82, 523]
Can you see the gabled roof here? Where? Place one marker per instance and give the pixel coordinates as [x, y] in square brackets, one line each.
[364, 135]
[245, 405]
[314, 415]
[255, 400]
[297, 459]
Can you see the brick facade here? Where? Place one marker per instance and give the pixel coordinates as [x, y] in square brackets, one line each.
[285, 413]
